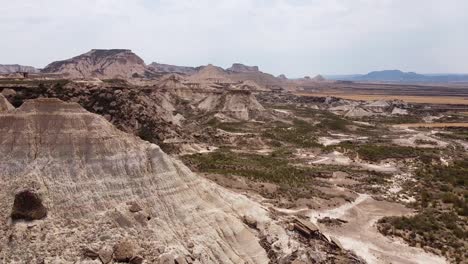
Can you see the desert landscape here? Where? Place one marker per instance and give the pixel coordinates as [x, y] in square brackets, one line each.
[233, 132]
[106, 159]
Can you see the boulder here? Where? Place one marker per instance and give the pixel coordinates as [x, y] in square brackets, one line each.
[105, 254]
[124, 251]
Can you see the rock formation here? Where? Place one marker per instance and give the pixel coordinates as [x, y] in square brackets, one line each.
[319, 78]
[104, 64]
[237, 104]
[282, 77]
[210, 73]
[238, 67]
[78, 190]
[86, 173]
[167, 68]
[4, 104]
[13, 68]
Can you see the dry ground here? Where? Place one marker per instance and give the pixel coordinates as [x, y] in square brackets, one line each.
[451, 100]
[431, 125]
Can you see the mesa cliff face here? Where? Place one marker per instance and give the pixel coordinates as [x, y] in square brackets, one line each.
[167, 68]
[104, 64]
[238, 67]
[13, 68]
[99, 186]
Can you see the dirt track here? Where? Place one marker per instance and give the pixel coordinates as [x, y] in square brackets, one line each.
[361, 235]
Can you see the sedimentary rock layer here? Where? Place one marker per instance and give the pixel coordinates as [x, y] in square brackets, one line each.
[99, 185]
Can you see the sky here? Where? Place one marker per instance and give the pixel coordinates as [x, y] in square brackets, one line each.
[292, 37]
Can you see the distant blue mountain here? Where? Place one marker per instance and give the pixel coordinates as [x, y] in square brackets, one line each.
[399, 76]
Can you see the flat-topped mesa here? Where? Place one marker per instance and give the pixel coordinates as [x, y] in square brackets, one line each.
[239, 67]
[100, 63]
[80, 175]
[14, 68]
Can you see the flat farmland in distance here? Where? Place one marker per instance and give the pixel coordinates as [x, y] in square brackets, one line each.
[422, 93]
[453, 100]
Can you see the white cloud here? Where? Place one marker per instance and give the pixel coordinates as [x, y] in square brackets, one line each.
[296, 37]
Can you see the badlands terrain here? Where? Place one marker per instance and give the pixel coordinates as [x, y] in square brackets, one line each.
[107, 159]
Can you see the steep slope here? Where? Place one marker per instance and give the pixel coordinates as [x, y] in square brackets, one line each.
[87, 186]
[104, 64]
[12, 68]
[210, 73]
[237, 104]
[240, 72]
[4, 104]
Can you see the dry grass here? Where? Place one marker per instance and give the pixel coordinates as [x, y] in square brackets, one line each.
[407, 98]
[436, 125]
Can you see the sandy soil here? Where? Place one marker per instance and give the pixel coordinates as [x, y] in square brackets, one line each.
[361, 235]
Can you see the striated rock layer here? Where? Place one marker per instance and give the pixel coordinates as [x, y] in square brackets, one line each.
[86, 186]
[97, 63]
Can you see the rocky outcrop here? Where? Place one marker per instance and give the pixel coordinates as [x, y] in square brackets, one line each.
[4, 104]
[237, 104]
[210, 73]
[167, 68]
[85, 172]
[282, 77]
[319, 78]
[238, 67]
[14, 68]
[104, 64]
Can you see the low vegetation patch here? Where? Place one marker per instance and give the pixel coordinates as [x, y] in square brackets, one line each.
[425, 142]
[235, 127]
[455, 133]
[376, 152]
[295, 181]
[442, 222]
[394, 119]
[299, 134]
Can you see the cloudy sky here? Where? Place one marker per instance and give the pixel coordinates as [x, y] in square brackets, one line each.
[295, 37]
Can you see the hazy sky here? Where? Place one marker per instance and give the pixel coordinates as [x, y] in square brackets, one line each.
[295, 37]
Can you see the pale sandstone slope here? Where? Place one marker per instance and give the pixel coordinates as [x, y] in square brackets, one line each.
[4, 104]
[238, 104]
[87, 174]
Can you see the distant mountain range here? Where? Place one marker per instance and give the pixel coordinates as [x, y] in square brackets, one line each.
[399, 76]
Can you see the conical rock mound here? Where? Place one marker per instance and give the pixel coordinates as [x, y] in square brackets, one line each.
[86, 186]
[4, 104]
[210, 73]
[238, 104]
